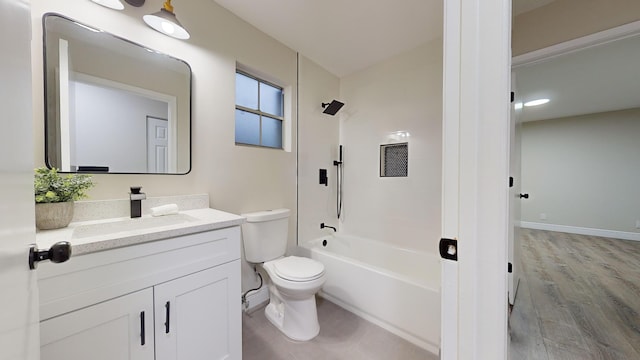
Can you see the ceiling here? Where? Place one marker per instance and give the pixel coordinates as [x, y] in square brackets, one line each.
[597, 79]
[344, 36]
[347, 36]
[522, 6]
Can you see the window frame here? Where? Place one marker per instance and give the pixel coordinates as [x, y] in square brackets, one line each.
[262, 114]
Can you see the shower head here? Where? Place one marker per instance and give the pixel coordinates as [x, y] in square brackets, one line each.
[332, 108]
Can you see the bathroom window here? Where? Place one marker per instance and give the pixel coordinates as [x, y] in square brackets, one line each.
[259, 112]
[394, 160]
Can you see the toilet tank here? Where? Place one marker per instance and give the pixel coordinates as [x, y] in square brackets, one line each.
[264, 235]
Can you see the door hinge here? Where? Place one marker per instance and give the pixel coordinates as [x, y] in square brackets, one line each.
[449, 249]
[513, 96]
[509, 268]
[510, 181]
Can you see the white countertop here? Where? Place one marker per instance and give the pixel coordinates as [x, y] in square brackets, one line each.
[92, 236]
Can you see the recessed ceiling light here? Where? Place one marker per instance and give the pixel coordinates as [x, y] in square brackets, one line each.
[536, 102]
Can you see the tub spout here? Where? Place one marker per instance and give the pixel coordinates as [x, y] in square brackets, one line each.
[322, 226]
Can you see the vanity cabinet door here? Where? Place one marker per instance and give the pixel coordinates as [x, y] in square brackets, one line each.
[121, 329]
[198, 316]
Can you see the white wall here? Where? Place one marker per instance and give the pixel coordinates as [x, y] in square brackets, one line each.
[237, 178]
[403, 93]
[583, 171]
[318, 135]
[101, 114]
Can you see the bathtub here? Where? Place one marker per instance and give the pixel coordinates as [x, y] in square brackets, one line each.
[395, 288]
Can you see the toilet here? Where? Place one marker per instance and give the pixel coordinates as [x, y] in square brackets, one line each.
[293, 281]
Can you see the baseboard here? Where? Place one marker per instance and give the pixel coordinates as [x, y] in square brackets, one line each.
[256, 299]
[624, 235]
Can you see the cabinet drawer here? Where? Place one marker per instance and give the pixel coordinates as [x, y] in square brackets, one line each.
[92, 278]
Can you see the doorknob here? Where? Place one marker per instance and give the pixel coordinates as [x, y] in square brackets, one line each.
[525, 196]
[58, 253]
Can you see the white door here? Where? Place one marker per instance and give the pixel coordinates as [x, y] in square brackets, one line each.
[515, 196]
[157, 145]
[19, 338]
[120, 329]
[477, 63]
[197, 317]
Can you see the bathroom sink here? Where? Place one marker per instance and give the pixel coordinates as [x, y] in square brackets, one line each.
[124, 225]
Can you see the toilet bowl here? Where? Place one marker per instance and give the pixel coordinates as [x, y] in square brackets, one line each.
[293, 281]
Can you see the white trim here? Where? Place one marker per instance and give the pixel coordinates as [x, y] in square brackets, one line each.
[624, 235]
[476, 161]
[64, 100]
[450, 177]
[602, 37]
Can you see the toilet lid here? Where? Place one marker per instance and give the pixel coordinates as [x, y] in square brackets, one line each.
[297, 268]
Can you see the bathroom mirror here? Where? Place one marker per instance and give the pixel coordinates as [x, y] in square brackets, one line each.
[113, 106]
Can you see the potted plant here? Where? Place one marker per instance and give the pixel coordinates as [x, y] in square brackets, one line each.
[55, 194]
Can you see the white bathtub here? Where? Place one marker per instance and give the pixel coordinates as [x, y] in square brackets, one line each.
[396, 288]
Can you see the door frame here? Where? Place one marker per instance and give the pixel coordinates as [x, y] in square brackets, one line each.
[477, 69]
[19, 317]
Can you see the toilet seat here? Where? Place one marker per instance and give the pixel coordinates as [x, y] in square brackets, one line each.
[295, 268]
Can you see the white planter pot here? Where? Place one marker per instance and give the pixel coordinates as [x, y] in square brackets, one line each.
[53, 215]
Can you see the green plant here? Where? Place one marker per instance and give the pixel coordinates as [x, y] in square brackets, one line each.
[51, 187]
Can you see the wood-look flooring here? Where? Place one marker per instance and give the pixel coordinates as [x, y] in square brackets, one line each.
[579, 298]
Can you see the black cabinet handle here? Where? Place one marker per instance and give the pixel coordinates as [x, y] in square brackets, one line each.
[167, 307]
[142, 332]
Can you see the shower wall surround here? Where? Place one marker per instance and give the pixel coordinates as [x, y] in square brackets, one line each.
[318, 136]
[402, 95]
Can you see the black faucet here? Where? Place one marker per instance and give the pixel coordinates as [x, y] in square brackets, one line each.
[136, 198]
[322, 226]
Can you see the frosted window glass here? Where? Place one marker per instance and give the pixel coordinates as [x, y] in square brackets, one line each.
[271, 132]
[246, 91]
[247, 128]
[270, 99]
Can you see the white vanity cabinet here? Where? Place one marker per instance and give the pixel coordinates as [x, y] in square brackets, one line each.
[105, 331]
[173, 299]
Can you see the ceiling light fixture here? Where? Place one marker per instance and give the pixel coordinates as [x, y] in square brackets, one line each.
[536, 102]
[165, 21]
[111, 4]
[136, 3]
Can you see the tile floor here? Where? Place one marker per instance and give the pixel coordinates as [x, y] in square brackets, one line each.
[343, 335]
